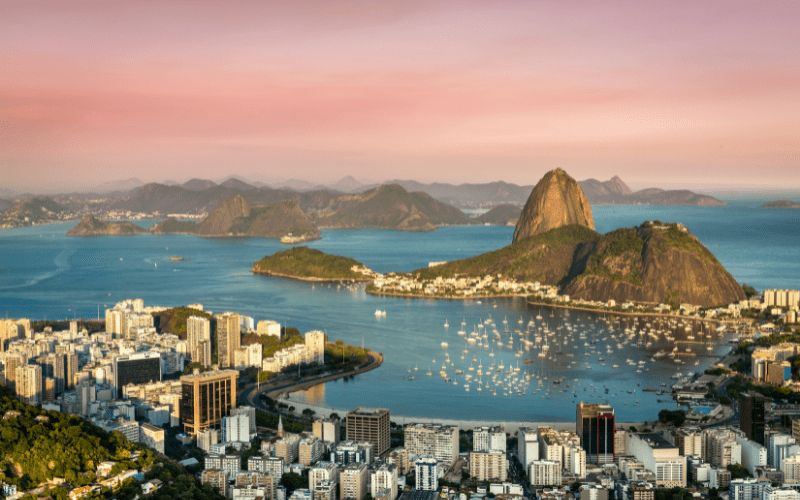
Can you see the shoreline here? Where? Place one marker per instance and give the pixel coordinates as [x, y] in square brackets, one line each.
[311, 278]
[620, 313]
[437, 297]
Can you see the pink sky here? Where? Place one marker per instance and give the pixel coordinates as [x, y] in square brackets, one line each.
[659, 93]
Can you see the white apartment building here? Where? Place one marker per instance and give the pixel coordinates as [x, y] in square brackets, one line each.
[753, 454]
[427, 473]
[327, 430]
[527, 446]
[269, 328]
[235, 428]
[206, 438]
[749, 489]
[439, 441]
[152, 436]
[322, 471]
[488, 439]
[384, 477]
[250, 412]
[659, 457]
[544, 473]
[229, 463]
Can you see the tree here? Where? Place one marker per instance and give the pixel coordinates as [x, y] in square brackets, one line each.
[293, 481]
[738, 471]
[309, 413]
[335, 416]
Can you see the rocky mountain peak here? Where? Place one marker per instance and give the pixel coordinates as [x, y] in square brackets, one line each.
[556, 200]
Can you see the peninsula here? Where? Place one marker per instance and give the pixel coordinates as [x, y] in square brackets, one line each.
[309, 264]
[780, 204]
[555, 246]
[92, 226]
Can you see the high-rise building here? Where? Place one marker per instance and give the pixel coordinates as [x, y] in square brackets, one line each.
[439, 441]
[315, 346]
[353, 481]
[369, 424]
[427, 474]
[269, 328]
[229, 337]
[70, 369]
[207, 438]
[251, 414]
[595, 427]
[327, 430]
[138, 368]
[235, 428]
[152, 436]
[488, 439]
[29, 384]
[544, 473]
[309, 450]
[659, 457]
[751, 417]
[488, 466]
[322, 471]
[198, 329]
[384, 477]
[206, 398]
[10, 370]
[217, 479]
[53, 367]
[528, 446]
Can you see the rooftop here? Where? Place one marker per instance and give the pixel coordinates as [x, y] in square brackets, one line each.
[655, 440]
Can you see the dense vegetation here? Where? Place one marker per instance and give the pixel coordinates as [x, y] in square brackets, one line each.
[304, 262]
[173, 226]
[545, 257]
[611, 246]
[676, 417]
[37, 446]
[289, 337]
[174, 320]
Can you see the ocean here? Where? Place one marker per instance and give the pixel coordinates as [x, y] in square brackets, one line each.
[45, 274]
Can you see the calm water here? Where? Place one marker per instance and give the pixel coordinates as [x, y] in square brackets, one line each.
[45, 274]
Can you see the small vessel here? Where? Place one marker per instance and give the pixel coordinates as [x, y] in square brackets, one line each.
[446, 324]
[379, 313]
[444, 344]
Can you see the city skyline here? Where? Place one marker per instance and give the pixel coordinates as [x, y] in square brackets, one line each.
[673, 95]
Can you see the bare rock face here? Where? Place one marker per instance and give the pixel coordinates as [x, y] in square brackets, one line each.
[556, 201]
[220, 219]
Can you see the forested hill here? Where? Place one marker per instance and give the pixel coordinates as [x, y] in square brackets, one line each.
[37, 446]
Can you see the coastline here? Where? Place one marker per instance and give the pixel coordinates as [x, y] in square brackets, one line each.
[439, 297]
[311, 278]
[623, 313]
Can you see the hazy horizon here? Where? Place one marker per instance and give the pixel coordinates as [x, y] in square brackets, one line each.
[693, 95]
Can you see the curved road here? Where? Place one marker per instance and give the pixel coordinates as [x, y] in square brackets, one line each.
[248, 395]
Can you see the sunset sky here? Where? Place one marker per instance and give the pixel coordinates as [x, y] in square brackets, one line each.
[680, 93]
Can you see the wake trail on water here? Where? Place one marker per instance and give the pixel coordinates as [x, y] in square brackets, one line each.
[62, 264]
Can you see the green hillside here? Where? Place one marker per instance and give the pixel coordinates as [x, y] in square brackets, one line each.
[309, 263]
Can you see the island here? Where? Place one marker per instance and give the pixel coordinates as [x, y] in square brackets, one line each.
[309, 264]
[92, 226]
[780, 204]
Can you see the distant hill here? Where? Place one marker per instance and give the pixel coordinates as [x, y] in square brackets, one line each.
[198, 184]
[389, 207]
[658, 263]
[91, 226]
[309, 264]
[501, 215]
[39, 210]
[237, 217]
[611, 192]
[347, 185]
[780, 204]
[123, 185]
